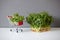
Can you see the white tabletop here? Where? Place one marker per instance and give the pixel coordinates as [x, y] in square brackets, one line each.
[27, 34]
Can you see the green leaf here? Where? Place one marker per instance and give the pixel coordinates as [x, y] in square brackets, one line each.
[41, 19]
[16, 18]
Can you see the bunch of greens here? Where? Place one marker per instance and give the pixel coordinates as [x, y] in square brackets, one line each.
[41, 19]
[17, 18]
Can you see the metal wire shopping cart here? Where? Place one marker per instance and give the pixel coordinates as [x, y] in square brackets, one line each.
[17, 24]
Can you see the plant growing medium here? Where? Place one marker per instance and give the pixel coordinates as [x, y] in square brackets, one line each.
[39, 20]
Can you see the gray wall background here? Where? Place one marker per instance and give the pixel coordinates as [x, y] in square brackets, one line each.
[24, 7]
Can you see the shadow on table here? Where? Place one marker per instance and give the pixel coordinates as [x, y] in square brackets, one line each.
[55, 29]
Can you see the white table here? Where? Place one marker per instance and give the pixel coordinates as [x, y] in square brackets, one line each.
[27, 34]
